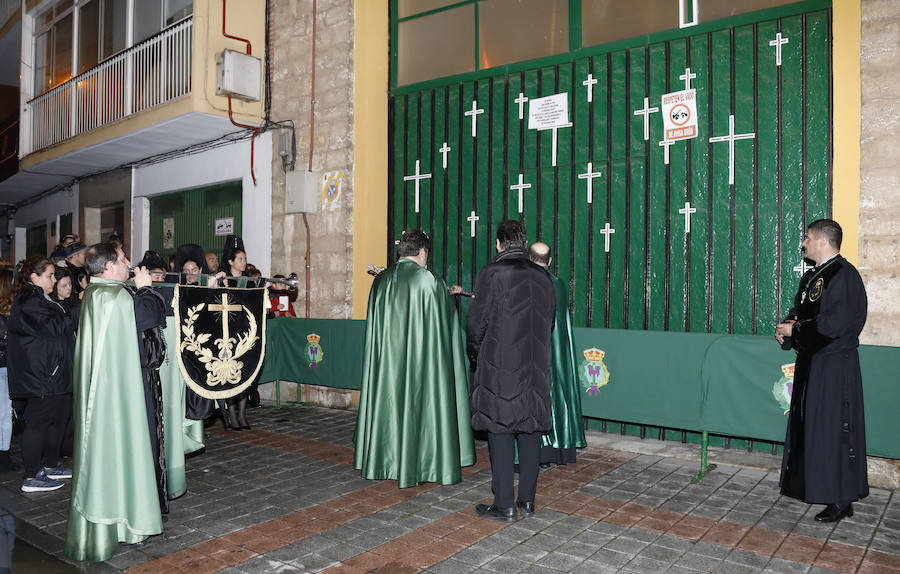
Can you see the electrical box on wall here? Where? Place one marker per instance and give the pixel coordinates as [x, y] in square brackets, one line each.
[301, 192]
[238, 75]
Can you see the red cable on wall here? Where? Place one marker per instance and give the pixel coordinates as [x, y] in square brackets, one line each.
[230, 115]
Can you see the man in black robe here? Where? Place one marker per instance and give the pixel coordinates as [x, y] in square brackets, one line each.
[825, 447]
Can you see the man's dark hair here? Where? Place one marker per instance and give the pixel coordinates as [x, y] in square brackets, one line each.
[511, 233]
[412, 241]
[97, 256]
[830, 229]
[539, 255]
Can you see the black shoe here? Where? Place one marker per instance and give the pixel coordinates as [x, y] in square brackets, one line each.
[246, 427]
[833, 513]
[545, 465]
[496, 513]
[526, 508]
[234, 428]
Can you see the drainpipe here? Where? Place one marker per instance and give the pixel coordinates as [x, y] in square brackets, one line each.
[255, 129]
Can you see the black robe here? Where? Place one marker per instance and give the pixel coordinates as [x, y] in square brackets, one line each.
[825, 446]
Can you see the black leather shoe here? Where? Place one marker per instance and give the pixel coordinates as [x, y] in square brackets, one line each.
[833, 513]
[496, 513]
[526, 508]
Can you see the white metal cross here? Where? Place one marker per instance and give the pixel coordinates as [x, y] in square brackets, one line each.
[687, 76]
[474, 113]
[607, 231]
[687, 211]
[590, 86]
[730, 138]
[777, 43]
[553, 140]
[589, 175]
[520, 187]
[416, 177]
[803, 267]
[666, 144]
[521, 101]
[444, 149]
[646, 111]
[472, 219]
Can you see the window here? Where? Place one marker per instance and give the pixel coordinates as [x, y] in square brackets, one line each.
[610, 20]
[151, 16]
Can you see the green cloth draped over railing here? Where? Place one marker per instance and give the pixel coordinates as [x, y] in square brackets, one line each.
[724, 384]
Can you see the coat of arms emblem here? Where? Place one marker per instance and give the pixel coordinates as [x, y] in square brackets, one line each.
[592, 373]
[314, 352]
[784, 386]
[221, 338]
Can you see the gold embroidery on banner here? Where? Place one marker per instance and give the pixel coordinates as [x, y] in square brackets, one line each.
[224, 368]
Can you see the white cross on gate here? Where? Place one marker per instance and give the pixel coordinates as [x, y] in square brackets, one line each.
[666, 144]
[607, 231]
[474, 113]
[646, 111]
[687, 211]
[590, 86]
[444, 151]
[730, 138]
[472, 219]
[687, 76]
[521, 101]
[520, 187]
[589, 175]
[416, 177]
[803, 267]
[777, 43]
[553, 140]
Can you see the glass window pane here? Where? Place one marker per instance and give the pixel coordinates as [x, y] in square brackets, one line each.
[62, 50]
[610, 20]
[409, 7]
[715, 9]
[88, 35]
[435, 46]
[60, 8]
[147, 19]
[516, 30]
[42, 66]
[115, 14]
[178, 10]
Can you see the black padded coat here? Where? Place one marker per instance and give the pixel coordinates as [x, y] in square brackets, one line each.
[508, 327]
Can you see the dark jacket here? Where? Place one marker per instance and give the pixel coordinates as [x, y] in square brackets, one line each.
[3, 320]
[508, 327]
[40, 345]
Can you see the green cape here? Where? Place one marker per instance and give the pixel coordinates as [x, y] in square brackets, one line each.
[568, 430]
[114, 497]
[413, 423]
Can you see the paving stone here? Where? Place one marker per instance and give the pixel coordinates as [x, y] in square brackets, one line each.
[451, 566]
[641, 565]
[699, 562]
[506, 565]
[628, 546]
[779, 566]
[610, 557]
[474, 556]
[756, 561]
[559, 561]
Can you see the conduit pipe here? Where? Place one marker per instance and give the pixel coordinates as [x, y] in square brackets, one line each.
[255, 129]
[312, 131]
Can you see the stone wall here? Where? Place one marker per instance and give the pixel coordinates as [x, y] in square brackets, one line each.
[879, 209]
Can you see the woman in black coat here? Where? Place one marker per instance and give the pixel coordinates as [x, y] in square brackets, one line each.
[40, 336]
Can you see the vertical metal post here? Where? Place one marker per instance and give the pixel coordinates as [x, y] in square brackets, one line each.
[704, 467]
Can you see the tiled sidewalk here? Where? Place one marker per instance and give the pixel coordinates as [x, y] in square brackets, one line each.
[285, 498]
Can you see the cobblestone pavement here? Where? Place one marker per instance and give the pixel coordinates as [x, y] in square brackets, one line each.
[284, 497]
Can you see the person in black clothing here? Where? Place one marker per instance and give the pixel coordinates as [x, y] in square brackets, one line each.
[64, 294]
[40, 357]
[824, 459]
[6, 298]
[508, 328]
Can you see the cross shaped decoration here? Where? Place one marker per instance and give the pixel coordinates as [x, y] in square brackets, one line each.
[521, 101]
[666, 144]
[591, 80]
[777, 43]
[607, 231]
[553, 140]
[589, 175]
[730, 138]
[472, 219]
[474, 113]
[687, 211]
[520, 187]
[444, 150]
[416, 177]
[646, 111]
[225, 308]
[803, 267]
[687, 76]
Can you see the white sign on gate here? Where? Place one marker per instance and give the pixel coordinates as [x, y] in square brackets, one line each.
[679, 111]
[548, 112]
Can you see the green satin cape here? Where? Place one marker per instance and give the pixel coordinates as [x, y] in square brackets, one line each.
[413, 423]
[568, 431]
[114, 496]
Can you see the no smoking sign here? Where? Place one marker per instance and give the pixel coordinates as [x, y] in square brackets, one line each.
[679, 112]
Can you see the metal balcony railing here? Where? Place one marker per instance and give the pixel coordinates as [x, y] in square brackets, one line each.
[146, 75]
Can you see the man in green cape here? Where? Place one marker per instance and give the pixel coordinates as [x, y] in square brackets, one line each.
[558, 446]
[115, 495]
[413, 423]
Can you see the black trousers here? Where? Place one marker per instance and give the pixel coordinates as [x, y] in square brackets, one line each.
[502, 447]
[44, 429]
